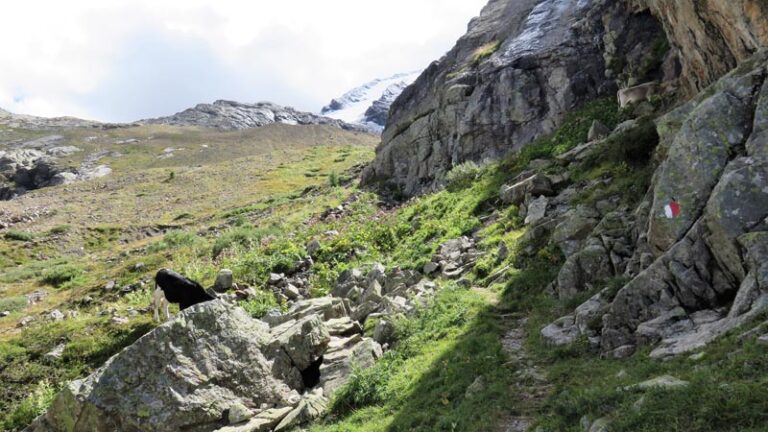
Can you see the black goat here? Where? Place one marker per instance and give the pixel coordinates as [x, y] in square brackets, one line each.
[171, 287]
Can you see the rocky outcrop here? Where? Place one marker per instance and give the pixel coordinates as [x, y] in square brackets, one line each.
[229, 115]
[711, 37]
[519, 69]
[27, 169]
[694, 249]
[185, 375]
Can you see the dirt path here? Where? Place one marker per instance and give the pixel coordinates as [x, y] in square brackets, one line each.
[531, 386]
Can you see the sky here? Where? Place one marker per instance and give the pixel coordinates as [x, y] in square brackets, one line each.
[124, 60]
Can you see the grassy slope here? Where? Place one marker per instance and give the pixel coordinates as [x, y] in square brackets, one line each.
[421, 384]
[99, 230]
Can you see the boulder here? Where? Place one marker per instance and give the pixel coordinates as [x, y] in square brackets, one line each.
[598, 131]
[184, 375]
[535, 185]
[311, 407]
[537, 210]
[303, 341]
[263, 422]
[224, 281]
[340, 361]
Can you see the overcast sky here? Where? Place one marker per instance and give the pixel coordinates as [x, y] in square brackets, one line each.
[123, 60]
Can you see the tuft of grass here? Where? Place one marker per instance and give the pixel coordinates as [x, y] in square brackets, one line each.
[13, 304]
[32, 406]
[483, 52]
[17, 235]
[263, 302]
[62, 274]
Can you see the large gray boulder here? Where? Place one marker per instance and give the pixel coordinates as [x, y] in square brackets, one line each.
[184, 375]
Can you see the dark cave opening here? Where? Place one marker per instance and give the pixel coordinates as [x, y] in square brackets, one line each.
[311, 375]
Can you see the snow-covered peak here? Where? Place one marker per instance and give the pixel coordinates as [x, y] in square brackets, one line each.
[368, 104]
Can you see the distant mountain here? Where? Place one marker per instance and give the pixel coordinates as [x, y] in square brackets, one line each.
[368, 105]
[24, 121]
[229, 115]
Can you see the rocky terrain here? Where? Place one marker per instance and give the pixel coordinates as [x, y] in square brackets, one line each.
[368, 105]
[229, 115]
[521, 67]
[563, 229]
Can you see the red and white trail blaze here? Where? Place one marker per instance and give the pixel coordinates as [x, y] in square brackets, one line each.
[672, 210]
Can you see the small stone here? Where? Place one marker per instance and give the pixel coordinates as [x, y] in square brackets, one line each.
[697, 356]
[638, 405]
[26, 321]
[662, 382]
[384, 332]
[4, 314]
[292, 292]
[87, 300]
[119, 320]
[57, 352]
[139, 266]
[477, 386]
[598, 131]
[600, 425]
[537, 210]
[56, 315]
[224, 281]
[763, 340]
[275, 279]
[110, 285]
[313, 247]
[430, 268]
[238, 413]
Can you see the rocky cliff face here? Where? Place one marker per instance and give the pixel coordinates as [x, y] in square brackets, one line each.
[711, 36]
[519, 69]
[229, 115]
[694, 250]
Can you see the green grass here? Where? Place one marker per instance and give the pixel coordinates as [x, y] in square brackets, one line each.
[421, 385]
[484, 52]
[62, 275]
[17, 235]
[13, 304]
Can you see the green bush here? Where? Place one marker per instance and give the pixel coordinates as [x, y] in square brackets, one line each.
[263, 302]
[34, 405]
[462, 176]
[13, 304]
[61, 274]
[17, 235]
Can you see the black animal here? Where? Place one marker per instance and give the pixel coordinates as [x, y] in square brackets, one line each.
[171, 287]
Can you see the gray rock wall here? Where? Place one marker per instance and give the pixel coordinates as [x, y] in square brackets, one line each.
[513, 77]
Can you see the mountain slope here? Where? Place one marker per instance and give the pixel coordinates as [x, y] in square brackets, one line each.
[369, 104]
[229, 115]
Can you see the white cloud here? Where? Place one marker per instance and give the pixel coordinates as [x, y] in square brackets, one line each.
[120, 60]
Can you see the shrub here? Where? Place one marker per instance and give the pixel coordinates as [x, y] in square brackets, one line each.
[333, 179]
[34, 405]
[263, 302]
[17, 235]
[60, 274]
[462, 176]
[13, 304]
